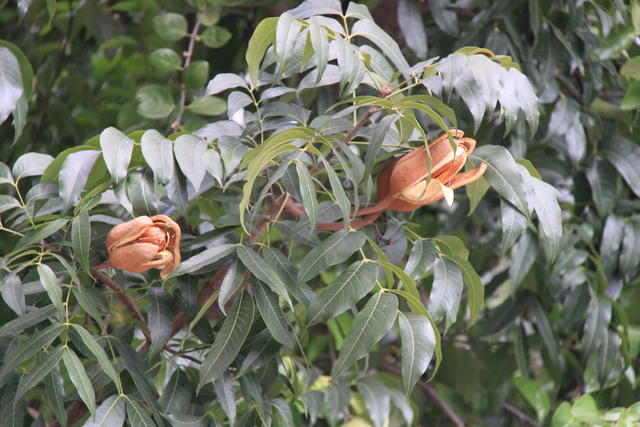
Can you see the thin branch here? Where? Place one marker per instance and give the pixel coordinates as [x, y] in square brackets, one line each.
[384, 93]
[348, 137]
[521, 416]
[433, 394]
[187, 61]
[95, 270]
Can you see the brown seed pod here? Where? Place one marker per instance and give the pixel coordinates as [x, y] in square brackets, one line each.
[145, 243]
[405, 184]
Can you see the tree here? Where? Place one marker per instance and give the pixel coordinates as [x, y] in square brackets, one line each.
[313, 286]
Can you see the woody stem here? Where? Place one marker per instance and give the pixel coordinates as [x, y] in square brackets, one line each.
[347, 138]
[95, 270]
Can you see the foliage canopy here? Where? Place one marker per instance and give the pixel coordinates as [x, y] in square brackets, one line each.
[286, 309]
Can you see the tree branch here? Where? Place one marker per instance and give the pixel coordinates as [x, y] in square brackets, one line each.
[521, 416]
[95, 270]
[433, 394]
[347, 138]
[187, 61]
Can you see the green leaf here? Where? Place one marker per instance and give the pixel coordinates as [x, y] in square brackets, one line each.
[226, 397]
[208, 106]
[308, 192]
[503, 174]
[631, 68]
[99, 353]
[13, 294]
[54, 387]
[215, 37]
[376, 399]
[475, 193]
[31, 164]
[625, 156]
[8, 203]
[407, 282]
[380, 132]
[262, 271]
[28, 348]
[137, 416]
[534, 394]
[165, 59]
[196, 74]
[189, 150]
[445, 18]
[544, 328]
[523, 256]
[317, 7]
[334, 250]
[158, 153]
[81, 238]
[177, 393]
[260, 157]
[339, 193]
[170, 26]
[630, 254]
[475, 288]
[282, 414]
[545, 203]
[368, 29]
[320, 43]
[116, 151]
[418, 345]
[603, 182]
[421, 258]
[617, 41]
[263, 36]
[513, 225]
[111, 413]
[287, 33]
[74, 174]
[229, 340]
[446, 291]
[80, 379]
[137, 368]
[32, 318]
[631, 99]
[204, 258]
[224, 81]
[185, 420]
[11, 89]
[26, 70]
[272, 314]
[41, 232]
[635, 15]
[346, 290]
[52, 286]
[585, 409]
[154, 101]
[368, 327]
[46, 363]
[160, 314]
[412, 27]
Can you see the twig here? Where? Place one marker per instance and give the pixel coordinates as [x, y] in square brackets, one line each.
[184, 356]
[348, 137]
[433, 394]
[187, 61]
[95, 270]
[521, 416]
[384, 92]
